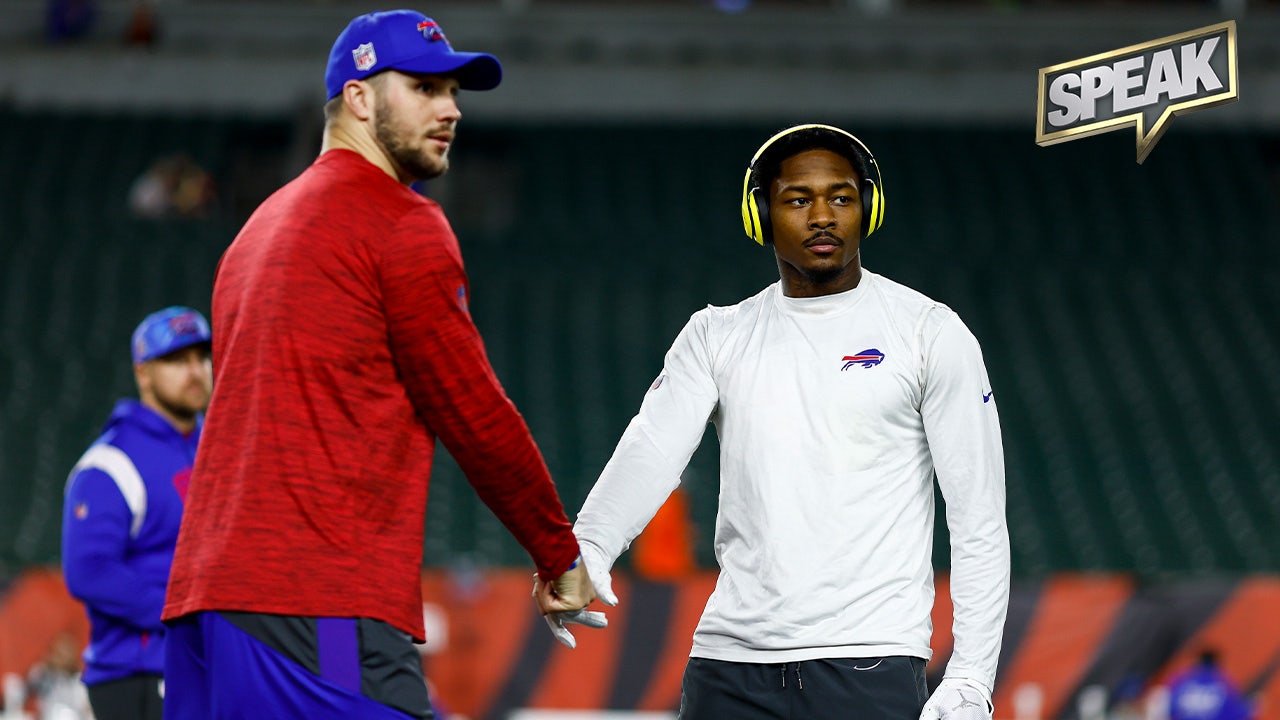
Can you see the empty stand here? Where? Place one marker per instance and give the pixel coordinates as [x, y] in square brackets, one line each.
[1129, 315]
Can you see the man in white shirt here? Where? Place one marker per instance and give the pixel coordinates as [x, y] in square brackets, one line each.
[837, 394]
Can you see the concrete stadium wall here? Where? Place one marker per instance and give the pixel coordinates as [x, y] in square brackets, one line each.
[587, 61]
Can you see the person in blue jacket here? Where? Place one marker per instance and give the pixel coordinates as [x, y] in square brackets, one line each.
[1204, 692]
[123, 508]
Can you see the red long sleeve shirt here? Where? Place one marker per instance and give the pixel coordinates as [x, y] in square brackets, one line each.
[342, 349]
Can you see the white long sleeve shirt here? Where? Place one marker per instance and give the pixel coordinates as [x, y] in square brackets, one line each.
[833, 415]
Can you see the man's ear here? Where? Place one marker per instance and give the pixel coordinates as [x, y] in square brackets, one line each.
[357, 95]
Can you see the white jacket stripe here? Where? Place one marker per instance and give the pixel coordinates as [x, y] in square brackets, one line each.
[116, 464]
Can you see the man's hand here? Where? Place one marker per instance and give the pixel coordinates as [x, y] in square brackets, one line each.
[571, 591]
[591, 563]
[958, 699]
[564, 600]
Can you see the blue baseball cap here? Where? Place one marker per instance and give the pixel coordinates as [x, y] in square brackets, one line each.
[407, 41]
[169, 330]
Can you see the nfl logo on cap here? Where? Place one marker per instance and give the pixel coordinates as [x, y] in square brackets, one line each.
[365, 57]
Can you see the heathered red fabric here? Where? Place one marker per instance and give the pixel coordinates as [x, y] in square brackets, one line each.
[342, 347]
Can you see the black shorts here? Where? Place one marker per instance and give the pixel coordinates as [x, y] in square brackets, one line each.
[137, 697]
[885, 688]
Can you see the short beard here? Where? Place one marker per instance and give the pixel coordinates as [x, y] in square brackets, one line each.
[822, 277]
[410, 162]
[178, 406]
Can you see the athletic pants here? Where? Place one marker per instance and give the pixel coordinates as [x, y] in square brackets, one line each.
[885, 688]
[244, 666]
[137, 697]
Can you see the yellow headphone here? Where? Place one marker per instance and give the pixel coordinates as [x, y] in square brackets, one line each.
[755, 201]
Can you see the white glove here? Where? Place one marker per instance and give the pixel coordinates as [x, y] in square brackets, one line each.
[958, 699]
[557, 620]
[598, 570]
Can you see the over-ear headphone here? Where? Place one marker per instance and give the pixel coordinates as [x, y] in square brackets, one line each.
[755, 200]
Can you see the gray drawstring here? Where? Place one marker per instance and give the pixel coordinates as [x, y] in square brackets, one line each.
[784, 675]
[799, 680]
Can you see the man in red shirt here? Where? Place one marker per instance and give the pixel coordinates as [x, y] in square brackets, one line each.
[343, 350]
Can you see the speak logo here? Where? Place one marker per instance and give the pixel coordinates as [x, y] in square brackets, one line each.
[1143, 85]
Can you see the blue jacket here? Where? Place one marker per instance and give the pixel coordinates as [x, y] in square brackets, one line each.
[1205, 693]
[119, 526]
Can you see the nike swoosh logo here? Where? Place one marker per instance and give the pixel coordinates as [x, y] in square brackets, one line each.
[986, 397]
[873, 667]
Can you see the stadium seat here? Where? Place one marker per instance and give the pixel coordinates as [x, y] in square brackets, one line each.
[1133, 349]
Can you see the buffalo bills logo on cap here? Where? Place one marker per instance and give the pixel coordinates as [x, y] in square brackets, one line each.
[868, 358]
[184, 324]
[364, 56]
[431, 31]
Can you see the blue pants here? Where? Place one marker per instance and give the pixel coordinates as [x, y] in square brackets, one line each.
[216, 671]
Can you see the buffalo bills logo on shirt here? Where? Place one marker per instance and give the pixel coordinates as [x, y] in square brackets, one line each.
[364, 56]
[868, 358]
[431, 31]
[462, 297]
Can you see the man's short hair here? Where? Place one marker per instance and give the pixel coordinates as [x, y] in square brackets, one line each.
[331, 109]
[334, 104]
[769, 165]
